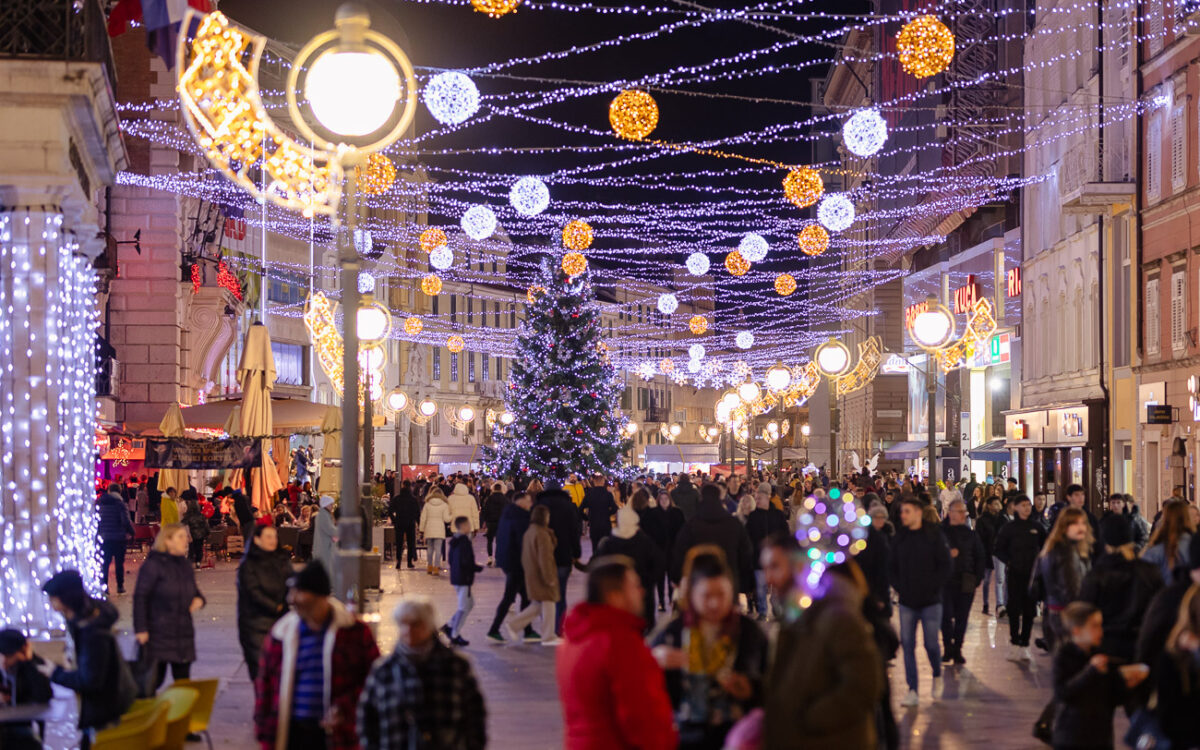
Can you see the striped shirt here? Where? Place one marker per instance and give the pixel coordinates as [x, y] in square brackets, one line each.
[308, 700]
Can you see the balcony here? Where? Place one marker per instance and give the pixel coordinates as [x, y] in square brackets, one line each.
[56, 30]
[658, 414]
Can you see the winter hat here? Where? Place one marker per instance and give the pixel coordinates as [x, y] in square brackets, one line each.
[1115, 531]
[326, 501]
[11, 641]
[878, 511]
[313, 578]
[627, 523]
[67, 586]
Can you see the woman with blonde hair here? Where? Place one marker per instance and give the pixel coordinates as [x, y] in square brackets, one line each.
[535, 488]
[1168, 545]
[1063, 563]
[164, 599]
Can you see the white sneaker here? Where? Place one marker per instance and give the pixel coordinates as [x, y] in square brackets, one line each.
[936, 688]
[910, 700]
[1026, 653]
[553, 642]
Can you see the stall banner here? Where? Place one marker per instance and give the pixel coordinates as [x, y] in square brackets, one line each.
[188, 453]
[412, 471]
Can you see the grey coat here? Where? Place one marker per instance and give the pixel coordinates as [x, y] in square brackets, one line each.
[324, 532]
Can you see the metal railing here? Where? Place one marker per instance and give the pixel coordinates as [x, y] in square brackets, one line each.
[56, 30]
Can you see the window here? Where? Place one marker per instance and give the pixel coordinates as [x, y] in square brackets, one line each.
[453, 367]
[471, 367]
[1178, 309]
[453, 305]
[486, 367]
[1154, 158]
[1179, 149]
[1153, 325]
[470, 311]
[437, 363]
[287, 289]
[291, 363]
[496, 309]
[435, 305]
[512, 317]
[1154, 26]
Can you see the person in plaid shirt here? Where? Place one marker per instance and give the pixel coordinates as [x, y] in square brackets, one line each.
[314, 664]
[424, 694]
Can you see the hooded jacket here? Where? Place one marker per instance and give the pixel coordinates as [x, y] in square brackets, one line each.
[463, 504]
[712, 525]
[434, 516]
[262, 578]
[514, 521]
[629, 540]
[613, 693]
[598, 509]
[101, 677]
[114, 524]
[166, 585]
[461, 556]
[564, 521]
[1121, 587]
[686, 497]
[1018, 544]
[493, 511]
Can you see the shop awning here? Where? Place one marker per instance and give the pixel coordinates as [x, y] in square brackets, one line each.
[911, 450]
[686, 453]
[995, 450]
[454, 454]
[289, 415]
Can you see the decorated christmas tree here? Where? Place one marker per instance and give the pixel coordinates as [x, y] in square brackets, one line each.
[563, 391]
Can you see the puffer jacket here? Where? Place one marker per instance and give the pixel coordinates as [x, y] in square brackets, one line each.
[463, 504]
[261, 591]
[114, 524]
[1018, 544]
[166, 585]
[434, 516]
[686, 497]
[101, 676]
[1122, 587]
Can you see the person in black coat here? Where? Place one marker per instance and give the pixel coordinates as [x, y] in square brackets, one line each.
[712, 525]
[514, 522]
[918, 567]
[598, 509]
[567, 528]
[164, 599]
[462, 578]
[262, 578]
[244, 512]
[967, 556]
[405, 510]
[115, 530]
[988, 526]
[101, 675]
[655, 525]
[764, 520]
[1163, 613]
[629, 540]
[21, 684]
[1018, 545]
[873, 561]
[1177, 676]
[1121, 586]
[493, 509]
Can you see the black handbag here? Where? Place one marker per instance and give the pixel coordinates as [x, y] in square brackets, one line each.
[143, 669]
[1043, 727]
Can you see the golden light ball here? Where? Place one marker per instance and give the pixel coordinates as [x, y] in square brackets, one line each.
[495, 8]
[577, 235]
[698, 324]
[736, 263]
[534, 292]
[666, 366]
[378, 176]
[432, 239]
[574, 264]
[455, 343]
[785, 284]
[926, 46]
[633, 115]
[413, 325]
[813, 239]
[803, 187]
[431, 285]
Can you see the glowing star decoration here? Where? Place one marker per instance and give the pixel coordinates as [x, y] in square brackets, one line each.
[813, 239]
[529, 196]
[413, 325]
[577, 235]
[830, 531]
[633, 115]
[803, 187]
[479, 222]
[785, 284]
[744, 340]
[926, 46]
[455, 343]
[451, 98]
[836, 212]
[697, 264]
[366, 283]
[431, 285]
[363, 241]
[698, 325]
[441, 258]
[646, 371]
[495, 8]
[667, 303]
[736, 264]
[865, 132]
[379, 175]
[696, 351]
[753, 247]
[574, 264]
[534, 292]
[432, 239]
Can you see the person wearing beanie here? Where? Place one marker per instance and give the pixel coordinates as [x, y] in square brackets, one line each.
[324, 534]
[315, 662]
[1163, 612]
[631, 541]
[1120, 586]
[21, 684]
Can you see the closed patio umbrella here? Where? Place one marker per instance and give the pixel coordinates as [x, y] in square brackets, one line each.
[330, 482]
[256, 373]
[172, 426]
[233, 427]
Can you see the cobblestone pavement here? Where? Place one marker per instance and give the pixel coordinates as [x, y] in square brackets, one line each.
[990, 701]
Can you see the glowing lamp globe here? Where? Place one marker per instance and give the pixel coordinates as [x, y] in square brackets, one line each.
[577, 235]
[466, 414]
[778, 378]
[427, 407]
[441, 258]
[803, 187]
[574, 264]
[352, 92]
[805, 430]
[736, 264]
[698, 325]
[631, 428]
[479, 222]
[675, 430]
[813, 239]
[451, 98]
[836, 212]
[785, 284]
[455, 343]
[833, 358]
[773, 428]
[432, 239]
[507, 418]
[712, 432]
[397, 400]
[926, 46]
[753, 247]
[749, 392]
[633, 115]
[697, 264]
[865, 132]
[933, 328]
[431, 285]
[696, 351]
[744, 340]
[413, 325]
[721, 412]
[667, 303]
[529, 196]
[373, 321]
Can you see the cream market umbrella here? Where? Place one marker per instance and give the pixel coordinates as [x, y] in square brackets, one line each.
[233, 427]
[330, 482]
[256, 373]
[172, 426]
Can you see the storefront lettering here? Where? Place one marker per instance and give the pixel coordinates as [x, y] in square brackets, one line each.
[912, 311]
[966, 296]
[1013, 278]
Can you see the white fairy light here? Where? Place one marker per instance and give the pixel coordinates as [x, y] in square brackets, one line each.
[697, 264]
[441, 258]
[363, 241]
[366, 283]
[696, 351]
[753, 247]
[451, 97]
[835, 212]
[479, 222]
[744, 340]
[694, 365]
[667, 303]
[529, 196]
[865, 132]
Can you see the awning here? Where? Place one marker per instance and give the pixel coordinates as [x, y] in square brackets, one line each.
[454, 454]
[991, 451]
[685, 453]
[911, 450]
[288, 415]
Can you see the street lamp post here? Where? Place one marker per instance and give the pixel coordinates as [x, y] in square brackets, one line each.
[833, 361]
[932, 329]
[805, 431]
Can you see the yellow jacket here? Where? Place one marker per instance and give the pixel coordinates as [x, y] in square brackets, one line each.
[168, 509]
[576, 493]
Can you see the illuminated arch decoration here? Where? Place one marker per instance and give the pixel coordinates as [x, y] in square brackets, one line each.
[870, 354]
[805, 380]
[218, 93]
[980, 327]
[321, 321]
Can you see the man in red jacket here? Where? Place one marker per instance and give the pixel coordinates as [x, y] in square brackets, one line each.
[613, 693]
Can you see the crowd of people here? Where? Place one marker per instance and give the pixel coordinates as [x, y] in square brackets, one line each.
[694, 632]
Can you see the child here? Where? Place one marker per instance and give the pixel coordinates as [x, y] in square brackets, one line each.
[462, 576]
[21, 684]
[1086, 687]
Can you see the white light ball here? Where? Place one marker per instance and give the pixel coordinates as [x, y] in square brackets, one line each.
[646, 370]
[366, 283]
[865, 132]
[697, 264]
[479, 222]
[694, 366]
[451, 97]
[836, 212]
[362, 241]
[744, 340]
[529, 196]
[352, 93]
[667, 303]
[753, 247]
[441, 258]
[696, 351]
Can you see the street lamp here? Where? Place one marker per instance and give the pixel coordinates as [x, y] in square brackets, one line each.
[374, 322]
[466, 414]
[833, 359]
[932, 329]
[397, 400]
[428, 407]
[507, 418]
[805, 432]
[778, 378]
[749, 391]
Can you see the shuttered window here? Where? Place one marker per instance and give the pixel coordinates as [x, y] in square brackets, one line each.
[1153, 325]
[1154, 158]
[1178, 309]
[1179, 149]
[1154, 26]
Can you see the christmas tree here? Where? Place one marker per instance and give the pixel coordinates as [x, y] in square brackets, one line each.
[563, 391]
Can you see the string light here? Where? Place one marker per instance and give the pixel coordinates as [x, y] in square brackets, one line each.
[803, 187]
[529, 196]
[696, 351]
[813, 239]
[534, 292]
[753, 247]
[413, 325]
[577, 235]
[431, 285]
[698, 325]
[366, 283]
[432, 239]
[785, 284]
[736, 264]
[865, 132]
[479, 222]
[379, 175]
[451, 97]
[441, 258]
[836, 212]
[667, 303]
[926, 46]
[363, 241]
[574, 264]
[697, 264]
[744, 340]
[633, 115]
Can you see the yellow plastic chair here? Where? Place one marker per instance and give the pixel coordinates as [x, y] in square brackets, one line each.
[203, 710]
[180, 701]
[139, 731]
